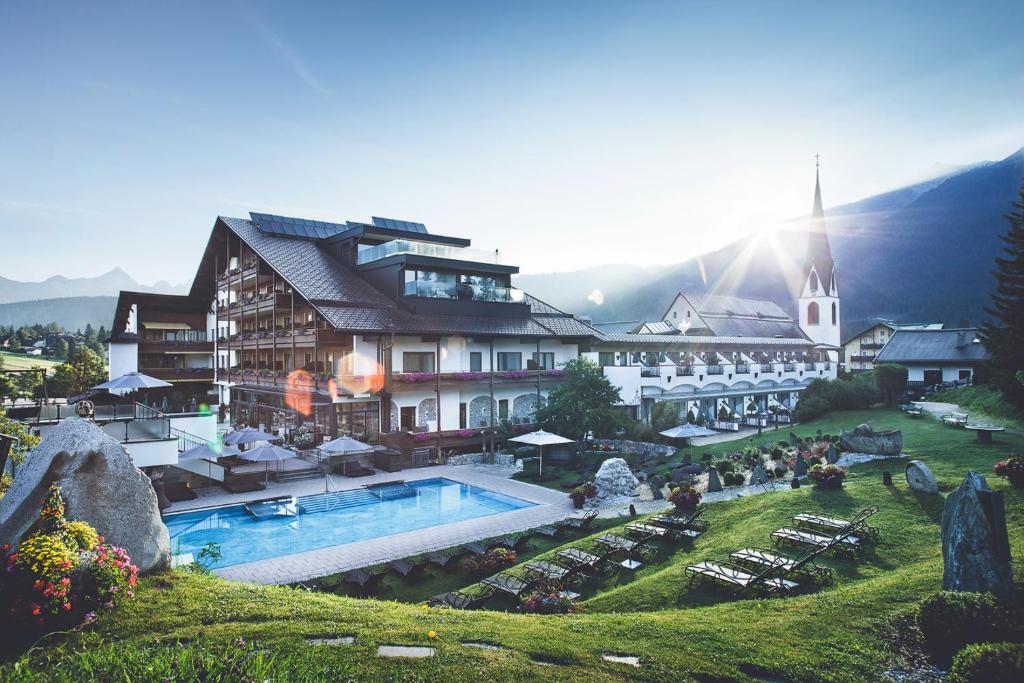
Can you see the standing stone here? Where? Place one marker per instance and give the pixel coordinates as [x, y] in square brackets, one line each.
[800, 468]
[975, 546]
[759, 476]
[920, 478]
[831, 455]
[100, 486]
[714, 483]
[614, 478]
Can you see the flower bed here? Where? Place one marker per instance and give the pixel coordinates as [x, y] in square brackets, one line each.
[491, 562]
[684, 497]
[1013, 469]
[547, 598]
[827, 476]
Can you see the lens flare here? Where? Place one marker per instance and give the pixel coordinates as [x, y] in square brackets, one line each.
[358, 375]
[298, 395]
[596, 297]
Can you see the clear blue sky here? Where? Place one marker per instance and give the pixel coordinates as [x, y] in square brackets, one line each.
[567, 134]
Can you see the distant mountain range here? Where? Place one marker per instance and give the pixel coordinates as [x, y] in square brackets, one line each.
[71, 313]
[58, 286]
[919, 253]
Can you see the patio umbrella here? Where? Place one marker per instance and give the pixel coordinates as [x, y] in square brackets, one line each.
[345, 445]
[248, 435]
[268, 454]
[208, 452]
[687, 431]
[132, 381]
[540, 438]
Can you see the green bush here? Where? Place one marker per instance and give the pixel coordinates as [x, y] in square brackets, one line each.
[950, 620]
[989, 663]
[780, 472]
[724, 466]
[811, 408]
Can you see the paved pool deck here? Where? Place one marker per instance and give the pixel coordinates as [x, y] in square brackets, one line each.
[549, 506]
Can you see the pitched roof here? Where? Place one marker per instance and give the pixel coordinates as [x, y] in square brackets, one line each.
[934, 346]
[697, 340]
[819, 254]
[721, 305]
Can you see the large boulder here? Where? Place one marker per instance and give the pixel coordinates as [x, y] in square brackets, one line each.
[614, 478]
[863, 439]
[100, 486]
[975, 546]
[920, 478]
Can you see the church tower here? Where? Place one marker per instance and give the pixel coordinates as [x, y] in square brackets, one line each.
[819, 297]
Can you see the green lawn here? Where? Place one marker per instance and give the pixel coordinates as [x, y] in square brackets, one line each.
[19, 361]
[183, 626]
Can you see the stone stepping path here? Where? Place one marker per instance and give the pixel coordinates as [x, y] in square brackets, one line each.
[631, 660]
[336, 640]
[415, 651]
[481, 644]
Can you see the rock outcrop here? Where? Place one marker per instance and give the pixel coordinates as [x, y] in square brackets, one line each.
[863, 439]
[100, 486]
[920, 478]
[975, 546]
[614, 478]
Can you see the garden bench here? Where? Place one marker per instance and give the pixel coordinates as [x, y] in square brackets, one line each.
[956, 419]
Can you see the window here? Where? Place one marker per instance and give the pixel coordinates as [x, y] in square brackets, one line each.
[812, 313]
[834, 313]
[417, 361]
[509, 360]
[606, 358]
[476, 361]
[545, 360]
[462, 416]
[408, 418]
[503, 409]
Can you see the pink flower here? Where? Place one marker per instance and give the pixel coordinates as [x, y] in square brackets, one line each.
[90, 617]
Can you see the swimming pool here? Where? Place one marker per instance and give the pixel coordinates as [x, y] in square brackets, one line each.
[329, 519]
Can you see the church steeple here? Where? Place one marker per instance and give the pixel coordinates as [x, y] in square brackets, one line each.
[818, 302]
[819, 253]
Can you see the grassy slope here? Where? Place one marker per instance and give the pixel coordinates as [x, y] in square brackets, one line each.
[830, 636]
[18, 361]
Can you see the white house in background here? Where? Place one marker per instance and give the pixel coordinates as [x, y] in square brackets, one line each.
[936, 356]
[860, 349]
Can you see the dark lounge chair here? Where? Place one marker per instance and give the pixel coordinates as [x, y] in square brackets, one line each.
[507, 583]
[443, 559]
[629, 548]
[476, 547]
[801, 570]
[367, 582]
[586, 562]
[510, 542]
[833, 525]
[550, 531]
[459, 600]
[551, 570]
[408, 569]
[177, 491]
[740, 580]
[244, 483]
[578, 523]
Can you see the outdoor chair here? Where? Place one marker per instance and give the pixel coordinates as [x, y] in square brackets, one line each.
[627, 547]
[243, 483]
[510, 542]
[686, 520]
[548, 530]
[578, 523]
[177, 491]
[586, 562]
[459, 600]
[408, 569]
[842, 546]
[797, 569]
[443, 559]
[834, 525]
[507, 583]
[955, 419]
[739, 580]
[476, 548]
[551, 570]
[645, 530]
[367, 582]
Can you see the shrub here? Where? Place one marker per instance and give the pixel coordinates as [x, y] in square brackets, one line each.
[827, 475]
[988, 663]
[1012, 468]
[724, 466]
[82, 535]
[811, 408]
[778, 453]
[546, 598]
[684, 497]
[491, 562]
[779, 472]
[950, 620]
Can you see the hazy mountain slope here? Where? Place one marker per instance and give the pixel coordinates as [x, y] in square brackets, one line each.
[58, 286]
[72, 313]
[923, 252]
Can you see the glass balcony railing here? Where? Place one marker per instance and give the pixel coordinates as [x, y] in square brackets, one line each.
[462, 292]
[395, 247]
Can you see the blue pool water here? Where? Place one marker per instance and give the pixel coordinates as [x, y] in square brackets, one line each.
[329, 519]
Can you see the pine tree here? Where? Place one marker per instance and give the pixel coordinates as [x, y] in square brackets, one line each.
[1003, 335]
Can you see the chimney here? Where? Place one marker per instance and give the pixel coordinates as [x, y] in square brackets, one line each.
[961, 339]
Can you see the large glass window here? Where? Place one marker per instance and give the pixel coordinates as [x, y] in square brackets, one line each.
[476, 361]
[510, 360]
[434, 284]
[545, 360]
[360, 420]
[606, 358]
[416, 361]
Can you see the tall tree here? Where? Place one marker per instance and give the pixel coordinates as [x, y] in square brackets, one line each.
[82, 370]
[584, 402]
[1003, 334]
[63, 350]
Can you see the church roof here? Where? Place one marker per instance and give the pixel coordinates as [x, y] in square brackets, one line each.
[819, 254]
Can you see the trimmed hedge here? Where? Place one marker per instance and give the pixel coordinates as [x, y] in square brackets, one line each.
[989, 663]
[950, 620]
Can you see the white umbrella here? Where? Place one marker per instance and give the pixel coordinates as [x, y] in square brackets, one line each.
[208, 452]
[540, 438]
[687, 431]
[268, 454]
[248, 435]
[345, 445]
[132, 381]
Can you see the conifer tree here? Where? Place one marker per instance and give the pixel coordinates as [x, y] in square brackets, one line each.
[1004, 334]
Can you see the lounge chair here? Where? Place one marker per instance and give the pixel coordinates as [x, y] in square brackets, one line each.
[476, 547]
[408, 569]
[244, 483]
[583, 561]
[741, 580]
[352, 469]
[507, 583]
[443, 559]
[626, 546]
[177, 491]
[843, 546]
[551, 531]
[367, 582]
[550, 570]
[578, 523]
[459, 600]
[798, 569]
[510, 542]
[834, 525]
[645, 531]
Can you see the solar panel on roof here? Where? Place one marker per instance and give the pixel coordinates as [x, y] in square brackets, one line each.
[394, 224]
[295, 227]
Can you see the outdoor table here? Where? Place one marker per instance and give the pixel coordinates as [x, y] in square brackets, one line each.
[984, 432]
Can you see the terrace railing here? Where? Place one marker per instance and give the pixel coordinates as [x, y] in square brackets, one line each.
[715, 370]
[654, 371]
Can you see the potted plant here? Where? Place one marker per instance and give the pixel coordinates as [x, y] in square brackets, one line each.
[582, 493]
[548, 597]
[684, 497]
[1013, 469]
[827, 476]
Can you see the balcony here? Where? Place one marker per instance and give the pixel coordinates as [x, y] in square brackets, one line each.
[808, 366]
[766, 367]
[654, 371]
[684, 371]
[715, 370]
[871, 345]
[862, 358]
[789, 367]
[416, 381]
[397, 247]
[429, 289]
[180, 374]
[742, 369]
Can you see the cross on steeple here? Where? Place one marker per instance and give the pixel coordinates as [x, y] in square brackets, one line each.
[817, 161]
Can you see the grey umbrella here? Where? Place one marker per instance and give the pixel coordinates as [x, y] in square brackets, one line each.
[208, 452]
[540, 439]
[268, 454]
[248, 435]
[345, 445]
[132, 381]
[687, 431]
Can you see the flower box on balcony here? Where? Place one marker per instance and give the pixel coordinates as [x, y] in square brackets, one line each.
[466, 433]
[416, 377]
[422, 437]
[514, 374]
[469, 376]
[554, 372]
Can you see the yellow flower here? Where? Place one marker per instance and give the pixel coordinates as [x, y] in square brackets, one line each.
[431, 634]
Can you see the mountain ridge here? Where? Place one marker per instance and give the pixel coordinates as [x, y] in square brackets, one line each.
[59, 287]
